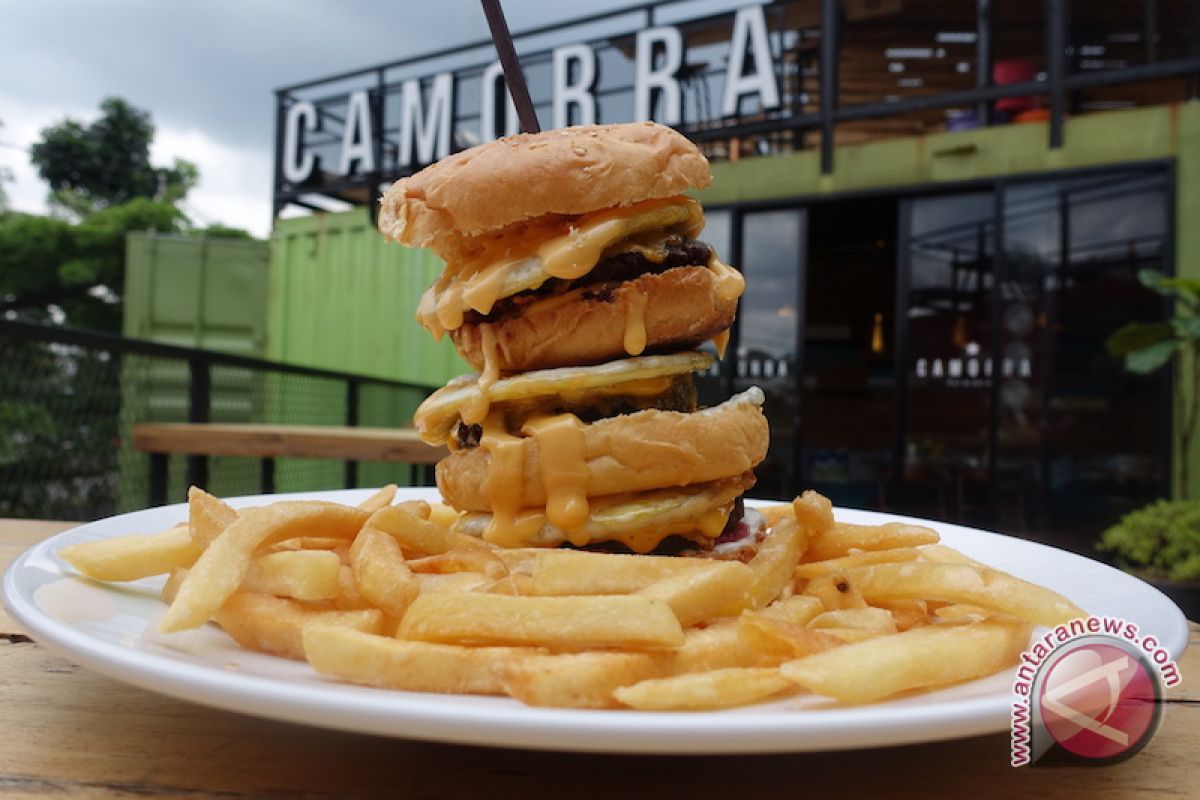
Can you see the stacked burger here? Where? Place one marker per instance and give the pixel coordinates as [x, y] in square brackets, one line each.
[575, 285]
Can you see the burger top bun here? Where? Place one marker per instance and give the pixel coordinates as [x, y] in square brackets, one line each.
[568, 171]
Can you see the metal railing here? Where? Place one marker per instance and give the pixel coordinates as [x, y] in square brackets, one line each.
[69, 399]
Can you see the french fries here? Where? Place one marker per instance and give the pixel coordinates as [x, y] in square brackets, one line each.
[380, 574]
[568, 623]
[386, 594]
[276, 625]
[207, 516]
[299, 574]
[917, 659]
[358, 657]
[962, 583]
[220, 569]
[719, 589]
[718, 688]
[574, 680]
[839, 540]
[129, 558]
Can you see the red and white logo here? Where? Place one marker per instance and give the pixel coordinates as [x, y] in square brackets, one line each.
[1098, 701]
[1093, 687]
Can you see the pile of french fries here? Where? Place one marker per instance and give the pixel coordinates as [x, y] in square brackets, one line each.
[386, 594]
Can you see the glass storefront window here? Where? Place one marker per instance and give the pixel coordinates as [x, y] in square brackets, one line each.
[772, 253]
[1077, 435]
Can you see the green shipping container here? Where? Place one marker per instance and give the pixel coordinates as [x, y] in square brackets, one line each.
[341, 297]
[195, 292]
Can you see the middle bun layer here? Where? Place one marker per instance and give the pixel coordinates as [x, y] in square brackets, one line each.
[632, 453]
[683, 308]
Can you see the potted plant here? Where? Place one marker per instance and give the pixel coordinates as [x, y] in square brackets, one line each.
[1161, 542]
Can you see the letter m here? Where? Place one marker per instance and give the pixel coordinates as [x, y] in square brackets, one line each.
[428, 125]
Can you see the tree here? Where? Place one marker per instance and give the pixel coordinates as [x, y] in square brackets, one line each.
[48, 263]
[106, 163]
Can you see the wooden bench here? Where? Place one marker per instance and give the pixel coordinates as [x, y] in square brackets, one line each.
[198, 441]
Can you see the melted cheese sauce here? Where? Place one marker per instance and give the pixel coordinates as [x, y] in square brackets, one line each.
[562, 451]
[721, 342]
[566, 253]
[730, 283]
[503, 484]
[475, 410]
[635, 324]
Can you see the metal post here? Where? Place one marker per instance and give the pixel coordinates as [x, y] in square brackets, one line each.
[900, 346]
[351, 422]
[983, 58]
[736, 255]
[1056, 66]
[996, 346]
[376, 175]
[280, 122]
[831, 47]
[157, 494]
[802, 250]
[1194, 48]
[1150, 29]
[266, 475]
[199, 405]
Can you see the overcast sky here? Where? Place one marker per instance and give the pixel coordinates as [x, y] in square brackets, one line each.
[206, 70]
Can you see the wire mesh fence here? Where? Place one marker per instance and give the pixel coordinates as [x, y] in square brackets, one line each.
[69, 401]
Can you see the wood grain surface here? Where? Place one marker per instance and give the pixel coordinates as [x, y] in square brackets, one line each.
[274, 441]
[66, 732]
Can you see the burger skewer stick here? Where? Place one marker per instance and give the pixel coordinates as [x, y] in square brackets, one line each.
[513, 76]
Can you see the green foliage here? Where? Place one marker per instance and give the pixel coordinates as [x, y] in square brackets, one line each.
[1163, 538]
[219, 231]
[106, 163]
[1147, 346]
[80, 268]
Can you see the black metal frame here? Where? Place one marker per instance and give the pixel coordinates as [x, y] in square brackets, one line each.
[905, 195]
[1060, 82]
[200, 364]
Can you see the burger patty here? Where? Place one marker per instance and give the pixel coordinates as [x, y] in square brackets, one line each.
[617, 268]
[680, 396]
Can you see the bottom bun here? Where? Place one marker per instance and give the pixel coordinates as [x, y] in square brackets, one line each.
[587, 326]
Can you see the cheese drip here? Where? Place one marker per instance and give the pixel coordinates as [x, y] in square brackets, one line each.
[562, 450]
[569, 252]
[476, 409]
[529, 527]
[721, 342]
[506, 469]
[635, 324]
[730, 283]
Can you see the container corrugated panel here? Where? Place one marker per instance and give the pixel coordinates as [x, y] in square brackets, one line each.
[195, 292]
[342, 297]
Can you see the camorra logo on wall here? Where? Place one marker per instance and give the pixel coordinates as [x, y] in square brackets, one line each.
[342, 136]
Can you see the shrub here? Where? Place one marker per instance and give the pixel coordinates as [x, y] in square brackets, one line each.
[1162, 538]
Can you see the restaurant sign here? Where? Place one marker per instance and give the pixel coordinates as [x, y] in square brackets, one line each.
[392, 119]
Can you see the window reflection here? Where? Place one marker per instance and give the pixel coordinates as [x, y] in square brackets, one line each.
[766, 351]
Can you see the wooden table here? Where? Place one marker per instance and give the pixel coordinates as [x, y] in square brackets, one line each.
[199, 440]
[68, 732]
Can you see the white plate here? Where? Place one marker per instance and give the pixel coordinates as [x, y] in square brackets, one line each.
[109, 628]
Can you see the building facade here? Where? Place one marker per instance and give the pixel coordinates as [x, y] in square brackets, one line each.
[941, 209]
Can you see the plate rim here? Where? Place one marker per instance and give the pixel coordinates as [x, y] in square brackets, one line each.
[426, 716]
